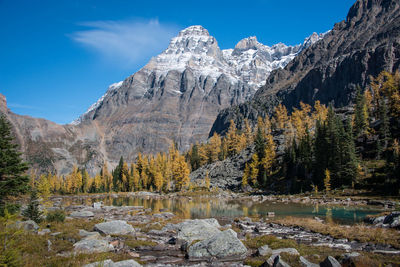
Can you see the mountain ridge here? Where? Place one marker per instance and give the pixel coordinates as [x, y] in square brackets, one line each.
[361, 46]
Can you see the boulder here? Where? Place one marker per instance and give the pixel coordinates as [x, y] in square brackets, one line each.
[44, 231]
[127, 263]
[330, 262]
[306, 263]
[192, 230]
[82, 214]
[264, 250]
[106, 263]
[28, 225]
[221, 245]
[278, 262]
[291, 251]
[117, 227]
[86, 234]
[110, 263]
[97, 205]
[275, 261]
[92, 245]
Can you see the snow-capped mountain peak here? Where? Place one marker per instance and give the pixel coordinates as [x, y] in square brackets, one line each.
[250, 62]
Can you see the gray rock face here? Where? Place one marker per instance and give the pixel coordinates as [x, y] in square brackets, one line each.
[192, 230]
[117, 227]
[226, 174]
[222, 245]
[366, 43]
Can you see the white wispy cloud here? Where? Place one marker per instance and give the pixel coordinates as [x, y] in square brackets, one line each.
[126, 42]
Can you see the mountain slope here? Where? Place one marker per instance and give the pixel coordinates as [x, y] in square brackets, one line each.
[175, 97]
[366, 43]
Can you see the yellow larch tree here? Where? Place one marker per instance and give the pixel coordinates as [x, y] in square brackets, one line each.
[327, 181]
[246, 175]
[232, 139]
[214, 148]
[268, 161]
[254, 169]
[320, 111]
[248, 133]
[281, 116]
[180, 173]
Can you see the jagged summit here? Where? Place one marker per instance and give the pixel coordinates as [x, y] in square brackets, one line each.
[248, 43]
[195, 30]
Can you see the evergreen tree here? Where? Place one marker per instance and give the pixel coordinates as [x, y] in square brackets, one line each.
[349, 162]
[117, 175]
[13, 177]
[360, 114]
[384, 129]
[33, 212]
[259, 143]
[194, 157]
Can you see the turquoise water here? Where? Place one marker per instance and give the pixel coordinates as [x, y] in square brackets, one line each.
[193, 208]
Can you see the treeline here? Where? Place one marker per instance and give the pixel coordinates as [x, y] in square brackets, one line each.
[164, 172]
[318, 149]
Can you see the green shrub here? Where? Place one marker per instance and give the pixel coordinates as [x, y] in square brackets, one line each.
[55, 216]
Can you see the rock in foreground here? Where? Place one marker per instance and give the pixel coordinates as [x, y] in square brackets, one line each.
[222, 245]
[192, 230]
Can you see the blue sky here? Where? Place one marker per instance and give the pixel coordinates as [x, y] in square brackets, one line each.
[58, 57]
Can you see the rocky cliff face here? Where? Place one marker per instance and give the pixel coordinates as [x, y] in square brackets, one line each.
[363, 45]
[175, 97]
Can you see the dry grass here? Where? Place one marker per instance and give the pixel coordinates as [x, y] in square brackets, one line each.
[312, 253]
[357, 232]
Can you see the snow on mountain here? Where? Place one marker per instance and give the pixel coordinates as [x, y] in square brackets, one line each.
[194, 48]
[111, 88]
[250, 61]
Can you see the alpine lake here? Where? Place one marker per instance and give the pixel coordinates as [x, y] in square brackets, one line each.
[209, 207]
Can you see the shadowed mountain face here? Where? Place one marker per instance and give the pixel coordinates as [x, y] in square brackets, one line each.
[175, 97]
[363, 45]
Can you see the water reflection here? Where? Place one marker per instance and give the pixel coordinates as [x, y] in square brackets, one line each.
[191, 208]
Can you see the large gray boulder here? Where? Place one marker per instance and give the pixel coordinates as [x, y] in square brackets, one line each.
[117, 227]
[192, 230]
[92, 245]
[222, 245]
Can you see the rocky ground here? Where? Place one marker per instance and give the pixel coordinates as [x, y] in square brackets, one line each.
[160, 238]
